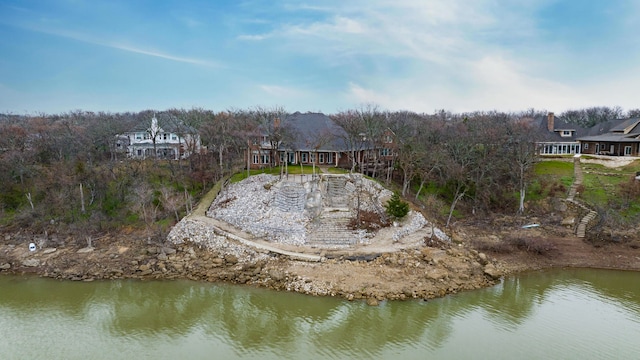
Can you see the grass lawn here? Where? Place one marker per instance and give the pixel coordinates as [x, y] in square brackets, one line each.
[554, 168]
[292, 169]
[600, 186]
[601, 183]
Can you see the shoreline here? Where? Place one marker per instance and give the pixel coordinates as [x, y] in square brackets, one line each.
[420, 273]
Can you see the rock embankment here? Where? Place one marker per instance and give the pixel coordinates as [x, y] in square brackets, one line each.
[411, 274]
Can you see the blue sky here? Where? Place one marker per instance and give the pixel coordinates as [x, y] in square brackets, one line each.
[331, 55]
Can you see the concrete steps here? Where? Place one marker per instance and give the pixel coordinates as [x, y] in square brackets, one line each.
[337, 195]
[331, 230]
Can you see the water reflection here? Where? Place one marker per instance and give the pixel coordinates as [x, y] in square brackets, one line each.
[248, 322]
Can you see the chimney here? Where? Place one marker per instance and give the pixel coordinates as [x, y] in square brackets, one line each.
[550, 122]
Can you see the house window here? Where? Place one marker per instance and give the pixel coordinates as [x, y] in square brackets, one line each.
[312, 157]
[174, 137]
[627, 150]
[303, 157]
[586, 146]
[321, 158]
[566, 133]
[266, 159]
[385, 152]
[139, 136]
[256, 159]
[292, 158]
[139, 152]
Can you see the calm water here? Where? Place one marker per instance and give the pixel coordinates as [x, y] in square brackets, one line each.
[571, 314]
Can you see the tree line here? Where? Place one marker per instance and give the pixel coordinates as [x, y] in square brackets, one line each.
[66, 169]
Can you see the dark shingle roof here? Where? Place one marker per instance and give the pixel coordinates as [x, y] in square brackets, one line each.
[313, 129]
[540, 126]
[166, 121]
[613, 131]
[604, 127]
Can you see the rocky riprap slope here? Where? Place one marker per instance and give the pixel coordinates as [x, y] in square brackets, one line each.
[250, 205]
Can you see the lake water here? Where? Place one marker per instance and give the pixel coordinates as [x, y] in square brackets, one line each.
[568, 314]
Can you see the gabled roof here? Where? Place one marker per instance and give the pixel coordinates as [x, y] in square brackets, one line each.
[166, 121]
[603, 127]
[540, 126]
[619, 130]
[316, 131]
[628, 126]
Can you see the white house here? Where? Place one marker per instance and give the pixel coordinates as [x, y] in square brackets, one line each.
[166, 137]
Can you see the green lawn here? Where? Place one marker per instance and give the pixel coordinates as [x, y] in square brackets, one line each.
[600, 188]
[292, 169]
[601, 183]
[554, 168]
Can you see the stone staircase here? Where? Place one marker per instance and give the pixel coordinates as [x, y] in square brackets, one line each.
[330, 230]
[578, 177]
[591, 215]
[581, 231]
[337, 195]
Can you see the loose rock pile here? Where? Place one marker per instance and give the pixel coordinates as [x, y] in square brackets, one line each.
[268, 208]
[275, 210]
[197, 233]
[417, 222]
[250, 206]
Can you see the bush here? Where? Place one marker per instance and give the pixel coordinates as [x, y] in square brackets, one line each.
[537, 246]
[396, 207]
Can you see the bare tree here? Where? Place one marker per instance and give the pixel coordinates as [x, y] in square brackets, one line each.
[591, 116]
[354, 134]
[521, 147]
[633, 113]
[374, 126]
[273, 124]
[457, 170]
[316, 142]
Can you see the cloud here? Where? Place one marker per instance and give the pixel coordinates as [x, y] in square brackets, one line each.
[257, 37]
[120, 46]
[161, 55]
[458, 55]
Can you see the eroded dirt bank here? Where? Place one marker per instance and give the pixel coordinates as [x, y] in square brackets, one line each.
[420, 273]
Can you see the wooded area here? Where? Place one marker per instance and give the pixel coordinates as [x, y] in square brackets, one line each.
[65, 169]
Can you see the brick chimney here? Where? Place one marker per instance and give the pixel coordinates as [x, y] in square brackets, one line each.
[550, 122]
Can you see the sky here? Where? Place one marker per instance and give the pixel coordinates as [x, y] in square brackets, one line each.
[327, 56]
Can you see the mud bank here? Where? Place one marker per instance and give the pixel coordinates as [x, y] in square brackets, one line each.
[419, 273]
[409, 274]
